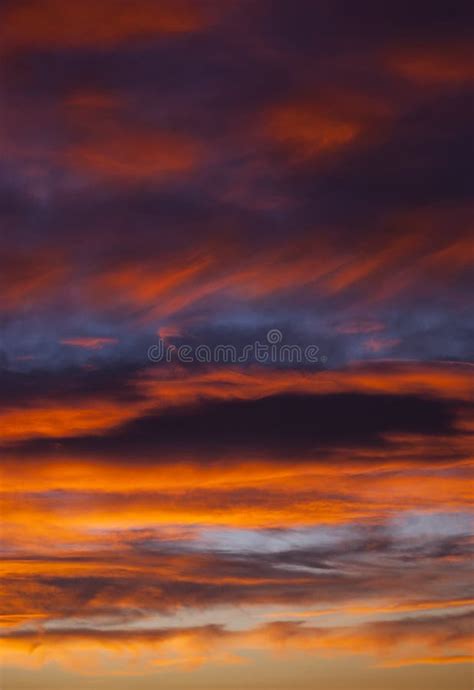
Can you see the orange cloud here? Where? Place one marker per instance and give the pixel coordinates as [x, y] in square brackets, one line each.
[133, 154]
[383, 270]
[164, 284]
[93, 534]
[377, 345]
[308, 128]
[330, 121]
[54, 421]
[89, 343]
[164, 388]
[434, 64]
[27, 280]
[57, 24]
[389, 642]
[232, 498]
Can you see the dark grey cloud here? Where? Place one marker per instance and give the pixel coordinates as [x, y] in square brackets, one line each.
[285, 425]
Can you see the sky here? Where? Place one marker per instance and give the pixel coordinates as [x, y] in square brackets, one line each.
[236, 366]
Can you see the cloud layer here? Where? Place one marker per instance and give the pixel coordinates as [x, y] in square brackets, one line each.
[200, 174]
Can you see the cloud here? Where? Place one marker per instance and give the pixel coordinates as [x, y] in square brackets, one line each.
[122, 153]
[184, 645]
[52, 24]
[88, 343]
[207, 172]
[433, 64]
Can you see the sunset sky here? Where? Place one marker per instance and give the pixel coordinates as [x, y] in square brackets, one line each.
[214, 174]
